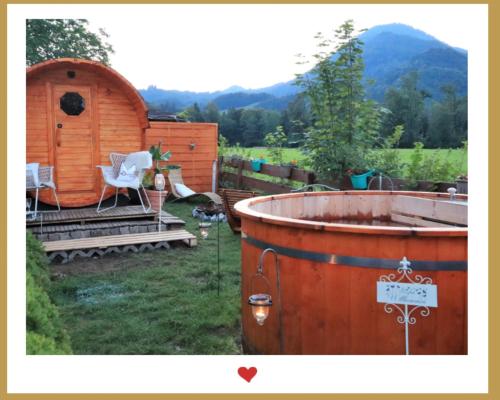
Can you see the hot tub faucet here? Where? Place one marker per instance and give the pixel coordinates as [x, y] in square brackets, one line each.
[452, 191]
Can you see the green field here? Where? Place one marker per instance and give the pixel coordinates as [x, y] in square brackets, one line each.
[456, 156]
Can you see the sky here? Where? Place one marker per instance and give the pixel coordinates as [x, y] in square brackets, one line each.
[212, 47]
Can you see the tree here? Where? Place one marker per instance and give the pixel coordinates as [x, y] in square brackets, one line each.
[253, 124]
[57, 38]
[211, 113]
[230, 125]
[295, 119]
[407, 108]
[448, 120]
[345, 124]
[193, 113]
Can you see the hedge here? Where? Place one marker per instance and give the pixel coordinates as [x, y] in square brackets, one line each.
[45, 333]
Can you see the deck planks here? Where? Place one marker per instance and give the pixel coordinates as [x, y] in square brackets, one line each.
[84, 215]
[120, 240]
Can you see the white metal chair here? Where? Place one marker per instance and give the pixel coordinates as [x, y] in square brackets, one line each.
[38, 178]
[126, 171]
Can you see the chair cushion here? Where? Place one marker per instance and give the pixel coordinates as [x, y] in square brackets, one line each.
[133, 183]
[127, 174]
[183, 190]
[116, 162]
[141, 159]
[32, 172]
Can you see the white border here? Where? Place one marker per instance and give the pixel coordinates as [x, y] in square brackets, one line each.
[276, 374]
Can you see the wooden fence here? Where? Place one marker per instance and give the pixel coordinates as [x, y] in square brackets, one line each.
[240, 181]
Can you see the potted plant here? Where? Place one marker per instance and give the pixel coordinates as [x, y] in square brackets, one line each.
[154, 180]
[359, 179]
[156, 189]
[257, 163]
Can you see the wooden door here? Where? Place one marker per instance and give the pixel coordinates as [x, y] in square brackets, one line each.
[74, 140]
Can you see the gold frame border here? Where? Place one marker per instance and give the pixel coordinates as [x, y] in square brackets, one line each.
[494, 192]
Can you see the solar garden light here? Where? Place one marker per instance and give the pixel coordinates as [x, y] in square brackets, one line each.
[204, 229]
[262, 302]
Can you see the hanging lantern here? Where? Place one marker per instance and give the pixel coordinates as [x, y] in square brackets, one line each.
[260, 304]
[204, 229]
[159, 182]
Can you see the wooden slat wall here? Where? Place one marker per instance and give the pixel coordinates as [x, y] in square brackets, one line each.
[177, 136]
[37, 147]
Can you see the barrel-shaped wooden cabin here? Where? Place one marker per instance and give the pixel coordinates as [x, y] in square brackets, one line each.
[79, 111]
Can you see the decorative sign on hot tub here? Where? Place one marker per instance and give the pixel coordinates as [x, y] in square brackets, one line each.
[410, 298]
[413, 294]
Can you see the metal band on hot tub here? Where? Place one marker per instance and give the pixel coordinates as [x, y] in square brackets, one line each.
[367, 262]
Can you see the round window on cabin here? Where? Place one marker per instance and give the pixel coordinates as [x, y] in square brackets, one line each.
[72, 103]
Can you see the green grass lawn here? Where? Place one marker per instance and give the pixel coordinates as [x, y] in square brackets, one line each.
[156, 302]
[453, 155]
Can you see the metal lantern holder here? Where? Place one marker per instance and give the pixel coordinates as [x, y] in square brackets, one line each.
[206, 225]
[159, 185]
[264, 299]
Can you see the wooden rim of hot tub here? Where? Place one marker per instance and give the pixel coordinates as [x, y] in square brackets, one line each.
[244, 209]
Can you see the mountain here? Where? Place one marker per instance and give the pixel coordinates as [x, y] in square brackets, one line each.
[397, 29]
[390, 52]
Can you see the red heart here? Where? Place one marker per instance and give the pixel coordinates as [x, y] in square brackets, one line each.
[247, 373]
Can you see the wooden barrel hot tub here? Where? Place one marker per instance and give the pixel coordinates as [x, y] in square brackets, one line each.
[332, 248]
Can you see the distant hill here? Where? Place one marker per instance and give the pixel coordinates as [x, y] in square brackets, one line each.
[240, 99]
[390, 52]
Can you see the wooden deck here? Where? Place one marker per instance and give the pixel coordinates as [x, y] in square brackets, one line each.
[84, 215]
[85, 233]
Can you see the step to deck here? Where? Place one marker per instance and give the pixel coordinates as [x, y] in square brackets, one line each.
[104, 228]
[67, 250]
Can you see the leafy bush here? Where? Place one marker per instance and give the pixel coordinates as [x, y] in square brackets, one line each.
[241, 152]
[223, 145]
[432, 167]
[275, 141]
[36, 261]
[39, 344]
[45, 332]
[388, 159]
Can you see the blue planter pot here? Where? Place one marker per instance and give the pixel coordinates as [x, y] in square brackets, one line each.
[361, 181]
[257, 164]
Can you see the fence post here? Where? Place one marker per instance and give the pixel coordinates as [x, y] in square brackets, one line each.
[239, 179]
[220, 161]
[310, 178]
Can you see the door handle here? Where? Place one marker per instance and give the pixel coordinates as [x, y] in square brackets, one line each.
[58, 135]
